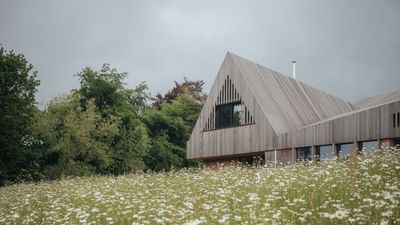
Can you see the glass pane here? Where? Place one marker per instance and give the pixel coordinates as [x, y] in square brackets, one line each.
[237, 114]
[229, 115]
[325, 152]
[304, 153]
[224, 116]
[344, 150]
[369, 146]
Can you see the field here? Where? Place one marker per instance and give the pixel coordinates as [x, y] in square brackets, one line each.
[362, 190]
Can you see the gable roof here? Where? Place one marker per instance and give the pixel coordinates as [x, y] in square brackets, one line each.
[288, 103]
[377, 100]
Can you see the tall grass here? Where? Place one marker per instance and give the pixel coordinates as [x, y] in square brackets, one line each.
[362, 190]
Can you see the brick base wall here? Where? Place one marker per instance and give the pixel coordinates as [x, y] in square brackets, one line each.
[282, 156]
[354, 148]
[385, 144]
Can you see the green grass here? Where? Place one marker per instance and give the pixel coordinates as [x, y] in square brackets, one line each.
[362, 190]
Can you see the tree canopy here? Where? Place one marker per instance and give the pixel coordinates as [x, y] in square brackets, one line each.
[102, 127]
[18, 84]
[187, 87]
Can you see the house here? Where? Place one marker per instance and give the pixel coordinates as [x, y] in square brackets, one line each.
[253, 111]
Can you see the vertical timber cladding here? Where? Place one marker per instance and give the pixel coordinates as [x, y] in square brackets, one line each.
[363, 125]
[287, 114]
[254, 136]
[228, 140]
[390, 121]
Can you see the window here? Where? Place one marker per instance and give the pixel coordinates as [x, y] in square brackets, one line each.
[231, 115]
[394, 119]
[398, 119]
[344, 150]
[368, 146]
[229, 109]
[224, 116]
[303, 153]
[324, 152]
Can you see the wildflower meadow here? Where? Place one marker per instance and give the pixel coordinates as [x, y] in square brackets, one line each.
[362, 190]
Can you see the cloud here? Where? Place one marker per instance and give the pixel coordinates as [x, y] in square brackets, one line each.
[348, 48]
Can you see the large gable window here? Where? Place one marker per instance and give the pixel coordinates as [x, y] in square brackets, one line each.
[229, 115]
[229, 109]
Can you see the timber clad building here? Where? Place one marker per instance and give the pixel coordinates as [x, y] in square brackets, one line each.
[252, 111]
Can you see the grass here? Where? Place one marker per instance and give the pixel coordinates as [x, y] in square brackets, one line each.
[362, 190]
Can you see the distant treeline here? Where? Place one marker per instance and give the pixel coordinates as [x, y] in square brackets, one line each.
[104, 127]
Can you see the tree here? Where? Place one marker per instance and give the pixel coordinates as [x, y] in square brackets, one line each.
[78, 141]
[95, 129]
[164, 155]
[170, 127]
[191, 88]
[112, 99]
[18, 84]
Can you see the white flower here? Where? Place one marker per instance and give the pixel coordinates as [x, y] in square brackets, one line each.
[206, 207]
[384, 222]
[189, 205]
[387, 213]
[194, 222]
[253, 197]
[377, 178]
[340, 214]
[258, 178]
[95, 210]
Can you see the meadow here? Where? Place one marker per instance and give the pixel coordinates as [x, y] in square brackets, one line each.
[362, 190]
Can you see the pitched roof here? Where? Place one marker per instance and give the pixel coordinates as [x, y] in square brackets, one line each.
[376, 100]
[288, 103]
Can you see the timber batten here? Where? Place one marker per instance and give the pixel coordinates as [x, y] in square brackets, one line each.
[280, 114]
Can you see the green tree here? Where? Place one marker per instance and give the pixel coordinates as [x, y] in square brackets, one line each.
[170, 127]
[78, 141]
[17, 106]
[164, 155]
[112, 99]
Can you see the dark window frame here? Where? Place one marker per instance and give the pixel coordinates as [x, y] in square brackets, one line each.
[398, 119]
[318, 151]
[306, 157]
[339, 150]
[225, 115]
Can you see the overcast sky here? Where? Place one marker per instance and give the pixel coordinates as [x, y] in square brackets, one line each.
[348, 48]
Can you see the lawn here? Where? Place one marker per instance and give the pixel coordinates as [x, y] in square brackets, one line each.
[362, 190]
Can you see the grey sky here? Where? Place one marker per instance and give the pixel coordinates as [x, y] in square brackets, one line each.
[348, 48]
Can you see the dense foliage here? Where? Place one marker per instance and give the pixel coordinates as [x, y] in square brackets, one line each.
[169, 128]
[103, 127]
[363, 190]
[17, 106]
[187, 87]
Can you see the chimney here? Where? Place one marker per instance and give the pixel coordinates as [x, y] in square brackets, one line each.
[294, 69]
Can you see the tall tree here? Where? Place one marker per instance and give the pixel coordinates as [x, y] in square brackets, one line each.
[18, 84]
[112, 99]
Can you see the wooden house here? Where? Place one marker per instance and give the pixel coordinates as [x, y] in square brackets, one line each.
[253, 111]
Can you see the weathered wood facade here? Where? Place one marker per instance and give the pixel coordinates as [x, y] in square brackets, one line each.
[279, 114]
